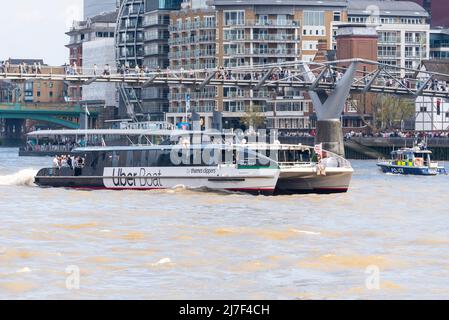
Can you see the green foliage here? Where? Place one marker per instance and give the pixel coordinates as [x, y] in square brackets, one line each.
[253, 118]
[391, 110]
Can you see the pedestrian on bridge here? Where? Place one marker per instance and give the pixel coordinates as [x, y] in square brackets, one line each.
[107, 70]
[75, 72]
[95, 69]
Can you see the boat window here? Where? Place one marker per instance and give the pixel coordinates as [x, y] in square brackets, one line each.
[143, 158]
[122, 159]
[107, 160]
[129, 159]
[115, 158]
[137, 158]
[93, 159]
[153, 156]
[164, 159]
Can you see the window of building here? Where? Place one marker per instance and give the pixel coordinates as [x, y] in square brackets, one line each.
[50, 94]
[337, 16]
[313, 18]
[234, 18]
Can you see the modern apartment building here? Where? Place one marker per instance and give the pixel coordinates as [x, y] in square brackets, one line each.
[82, 35]
[439, 44]
[247, 34]
[129, 53]
[156, 36]
[192, 47]
[142, 41]
[404, 34]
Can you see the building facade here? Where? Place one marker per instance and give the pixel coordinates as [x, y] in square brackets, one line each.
[248, 34]
[404, 34]
[432, 114]
[98, 28]
[439, 44]
[156, 53]
[129, 51]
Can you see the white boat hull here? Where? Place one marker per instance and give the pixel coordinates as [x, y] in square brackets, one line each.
[310, 180]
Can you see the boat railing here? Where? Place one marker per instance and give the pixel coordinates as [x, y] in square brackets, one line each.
[296, 164]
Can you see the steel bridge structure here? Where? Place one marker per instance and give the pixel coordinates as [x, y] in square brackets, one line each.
[308, 76]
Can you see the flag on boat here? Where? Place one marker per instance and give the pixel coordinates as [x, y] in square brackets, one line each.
[87, 111]
[319, 149]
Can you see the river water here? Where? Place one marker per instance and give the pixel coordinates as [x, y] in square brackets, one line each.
[387, 238]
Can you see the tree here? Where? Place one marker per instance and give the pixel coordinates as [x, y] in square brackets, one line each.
[253, 118]
[391, 110]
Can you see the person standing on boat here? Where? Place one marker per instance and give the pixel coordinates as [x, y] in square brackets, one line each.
[56, 163]
[69, 162]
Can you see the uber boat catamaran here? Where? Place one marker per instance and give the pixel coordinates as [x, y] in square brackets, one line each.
[209, 160]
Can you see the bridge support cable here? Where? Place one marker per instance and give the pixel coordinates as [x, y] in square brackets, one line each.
[372, 80]
[90, 81]
[318, 79]
[149, 81]
[398, 82]
[206, 81]
[264, 79]
[421, 89]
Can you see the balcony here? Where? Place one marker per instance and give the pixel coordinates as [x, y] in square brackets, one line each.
[392, 40]
[192, 54]
[388, 54]
[192, 26]
[262, 23]
[262, 52]
[191, 40]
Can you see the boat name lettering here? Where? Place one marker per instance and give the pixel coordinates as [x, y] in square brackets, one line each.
[203, 171]
[121, 178]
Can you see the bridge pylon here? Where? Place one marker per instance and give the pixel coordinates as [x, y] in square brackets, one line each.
[329, 108]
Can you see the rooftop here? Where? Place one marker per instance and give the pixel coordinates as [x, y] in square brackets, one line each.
[437, 66]
[321, 3]
[386, 8]
[27, 61]
[107, 17]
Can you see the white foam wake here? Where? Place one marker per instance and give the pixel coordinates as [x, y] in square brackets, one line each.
[22, 178]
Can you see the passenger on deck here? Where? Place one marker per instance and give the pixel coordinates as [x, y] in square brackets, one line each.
[63, 162]
[56, 163]
[69, 162]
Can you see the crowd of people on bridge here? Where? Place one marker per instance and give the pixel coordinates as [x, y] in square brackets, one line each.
[22, 68]
[398, 134]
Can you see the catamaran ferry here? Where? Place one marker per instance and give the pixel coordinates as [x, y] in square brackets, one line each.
[216, 167]
[237, 165]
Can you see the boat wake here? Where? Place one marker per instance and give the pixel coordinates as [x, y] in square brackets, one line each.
[22, 178]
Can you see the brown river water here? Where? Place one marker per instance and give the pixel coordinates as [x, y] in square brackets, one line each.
[388, 238]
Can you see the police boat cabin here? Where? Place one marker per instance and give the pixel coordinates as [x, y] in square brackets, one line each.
[411, 161]
[215, 166]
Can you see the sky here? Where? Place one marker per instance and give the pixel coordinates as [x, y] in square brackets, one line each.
[35, 29]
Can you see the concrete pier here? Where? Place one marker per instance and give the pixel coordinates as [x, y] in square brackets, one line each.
[330, 134]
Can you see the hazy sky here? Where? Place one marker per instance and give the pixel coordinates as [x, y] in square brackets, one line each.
[35, 29]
